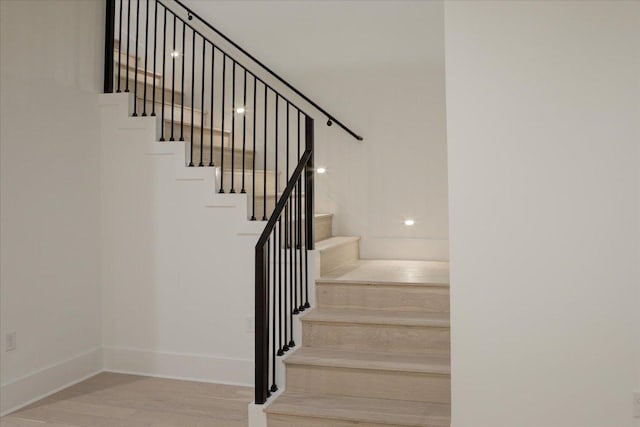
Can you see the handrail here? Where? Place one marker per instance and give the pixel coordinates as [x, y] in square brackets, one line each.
[330, 118]
[297, 173]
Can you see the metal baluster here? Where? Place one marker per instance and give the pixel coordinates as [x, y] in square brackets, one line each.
[224, 78]
[274, 387]
[213, 80]
[283, 247]
[294, 282]
[299, 224]
[164, 71]
[109, 46]
[294, 249]
[283, 291]
[184, 55]
[204, 48]
[253, 158]
[309, 176]
[244, 126]
[174, 57]
[135, 75]
[155, 40]
[120, 44]
[298, 243]
[292, 296]
[233, 127]
[146, 56]
[193, 80]
[275, 199]
[267, 309]
[287, 143]
[126, 89]
[264, 172]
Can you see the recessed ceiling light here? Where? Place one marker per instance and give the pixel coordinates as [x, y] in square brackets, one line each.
[321, 170]
[409, 222]
[175, 54]
[240, 110]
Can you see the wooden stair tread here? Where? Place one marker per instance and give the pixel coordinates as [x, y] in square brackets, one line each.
[321, 215]
[366, 410]
[167, 103]
[132, 62]
[390, 272]
[332, 242]
[217, 146]
[176, 122]
[377, 317]
[420, 363]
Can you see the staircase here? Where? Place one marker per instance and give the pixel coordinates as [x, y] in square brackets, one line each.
[374, 350]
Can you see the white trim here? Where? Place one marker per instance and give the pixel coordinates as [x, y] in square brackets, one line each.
[258, 414]
[37, 385]
[180, 366]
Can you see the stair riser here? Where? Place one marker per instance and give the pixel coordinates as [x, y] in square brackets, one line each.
[271, 203]
[140, 91]
[323, 228]
[248, 184]
[140, 75]
[259, 204]
[206, 158]
[275, 420]
[197, 117]
[278, 420]
[184, 130]
[372, 383]
[383, 338]
[123, 56]
[383, 297]
[330, 259]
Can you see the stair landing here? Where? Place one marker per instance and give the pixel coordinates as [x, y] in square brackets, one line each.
[391, 271]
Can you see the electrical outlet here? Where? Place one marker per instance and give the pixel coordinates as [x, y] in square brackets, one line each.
[250, 324]
[636, 404]
[11, 341]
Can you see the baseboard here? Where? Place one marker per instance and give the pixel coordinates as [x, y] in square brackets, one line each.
[181, 366]
[44, 382]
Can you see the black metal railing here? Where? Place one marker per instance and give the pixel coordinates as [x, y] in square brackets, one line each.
[251, 128]
[282, 264]
[194, 75]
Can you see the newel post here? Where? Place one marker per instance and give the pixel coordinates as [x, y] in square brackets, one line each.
[309, 176]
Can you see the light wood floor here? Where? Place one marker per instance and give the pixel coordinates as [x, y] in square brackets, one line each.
[117, 400]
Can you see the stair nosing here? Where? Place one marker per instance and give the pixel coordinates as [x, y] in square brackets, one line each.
[358, 415]
[339, 241]
[382, 364]
[374, 317]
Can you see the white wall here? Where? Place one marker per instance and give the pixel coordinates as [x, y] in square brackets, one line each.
[177, 283]
[50, 68]
[379, 66]
[543, 136]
